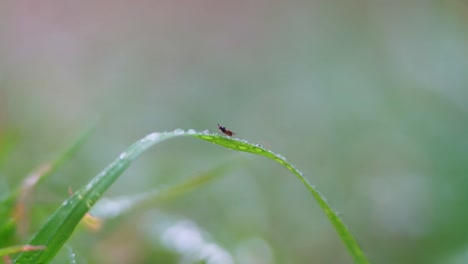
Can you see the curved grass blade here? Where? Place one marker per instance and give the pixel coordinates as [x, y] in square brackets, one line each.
[59, 227]
[340, 227]
[61, 224]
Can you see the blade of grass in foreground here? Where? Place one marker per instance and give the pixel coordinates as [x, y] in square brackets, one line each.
[59, 227]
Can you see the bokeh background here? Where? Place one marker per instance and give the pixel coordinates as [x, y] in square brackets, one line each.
[368, 98]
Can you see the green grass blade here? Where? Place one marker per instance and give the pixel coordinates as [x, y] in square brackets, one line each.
[61, 224]
[15, 249]
[340, 227]
[59, 227]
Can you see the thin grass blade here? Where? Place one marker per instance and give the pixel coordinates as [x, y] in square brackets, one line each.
[61, 224]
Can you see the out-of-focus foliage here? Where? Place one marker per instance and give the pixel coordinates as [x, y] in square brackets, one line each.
[368, 98]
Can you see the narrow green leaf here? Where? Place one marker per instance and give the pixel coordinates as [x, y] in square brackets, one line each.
[56, 231]
[59, 227]
[340, 227]
[15, 249]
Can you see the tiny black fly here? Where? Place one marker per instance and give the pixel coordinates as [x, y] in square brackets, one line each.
[226, 131]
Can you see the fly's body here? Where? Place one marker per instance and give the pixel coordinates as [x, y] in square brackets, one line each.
[226, 131]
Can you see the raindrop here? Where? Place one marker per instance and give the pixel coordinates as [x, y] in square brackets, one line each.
[280, 156]
[207, 132]
[259, 146]
[191, 131]
[123, 155]
[72, 255]
[151, 137]
[179, 131]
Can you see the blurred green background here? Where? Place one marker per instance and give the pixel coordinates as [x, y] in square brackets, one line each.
[368, 98]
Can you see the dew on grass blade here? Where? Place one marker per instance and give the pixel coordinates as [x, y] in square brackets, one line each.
[281, 157]
[71, 255]
[179, 131]
[151, 137]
